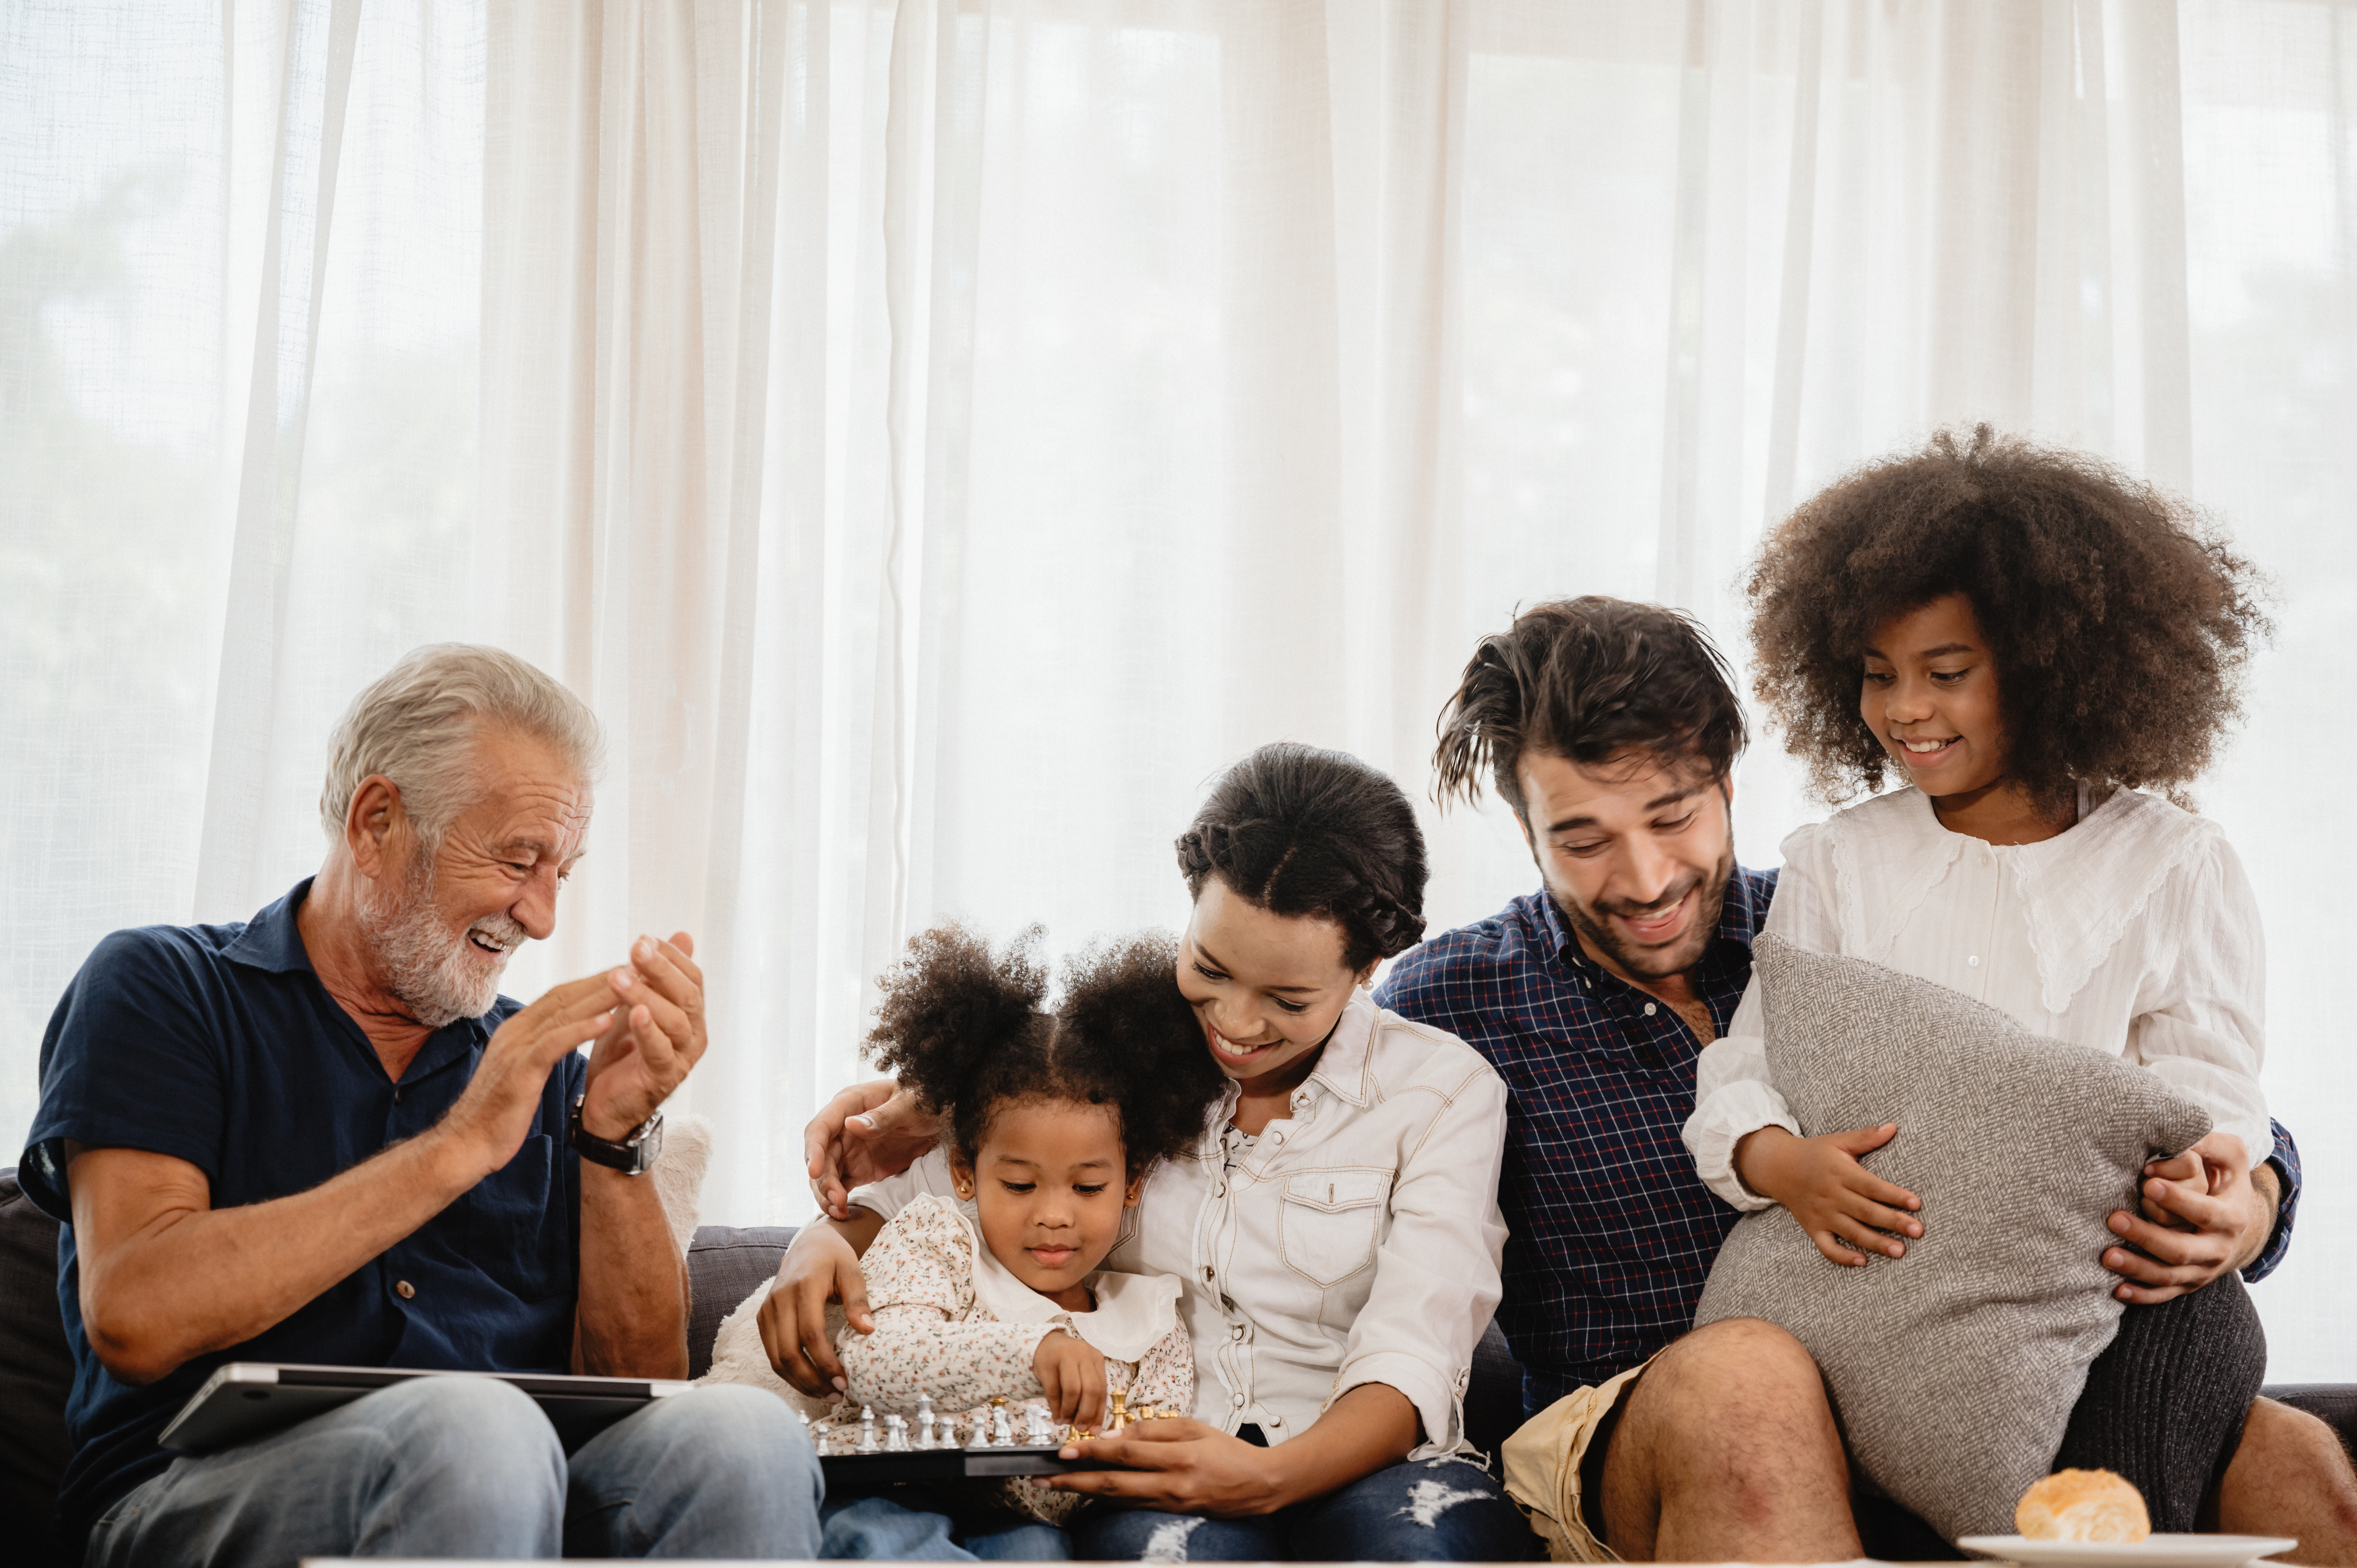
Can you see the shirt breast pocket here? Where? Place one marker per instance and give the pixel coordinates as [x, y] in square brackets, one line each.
[509, 1226]
[1331, 1222]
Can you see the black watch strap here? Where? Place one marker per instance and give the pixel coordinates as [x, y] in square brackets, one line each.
[633, 1155]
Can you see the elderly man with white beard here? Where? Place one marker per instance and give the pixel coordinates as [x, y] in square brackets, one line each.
[322, 1137]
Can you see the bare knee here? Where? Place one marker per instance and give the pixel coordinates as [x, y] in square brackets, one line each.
[1739, 1402]
[1728, 1446]
[1739, 1362]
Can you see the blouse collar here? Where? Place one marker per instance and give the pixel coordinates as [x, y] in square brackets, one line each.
[1134, 1311]
[2080, 889]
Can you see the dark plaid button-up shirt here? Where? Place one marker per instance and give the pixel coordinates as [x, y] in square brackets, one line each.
[1611, 1233]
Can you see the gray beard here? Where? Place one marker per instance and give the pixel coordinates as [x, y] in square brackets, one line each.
[425, 967]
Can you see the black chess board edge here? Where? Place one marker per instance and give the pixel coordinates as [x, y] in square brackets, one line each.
[948, 1465]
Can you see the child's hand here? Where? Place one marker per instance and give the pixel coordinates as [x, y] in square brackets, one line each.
[1843, 1206]
[1071, 1373]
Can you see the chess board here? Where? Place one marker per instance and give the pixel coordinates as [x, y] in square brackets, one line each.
[948, 1465]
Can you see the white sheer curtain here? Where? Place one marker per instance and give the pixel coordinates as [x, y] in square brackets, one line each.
[938, 435]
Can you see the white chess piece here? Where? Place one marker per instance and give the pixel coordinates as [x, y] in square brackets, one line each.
[896, 1434]
[867, 1430]
[1034, 1426]
[822, 1438]
[924, 1421]
[1002, 1429]
[977, 1432]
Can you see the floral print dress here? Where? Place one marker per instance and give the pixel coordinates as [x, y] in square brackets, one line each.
[953, 1324]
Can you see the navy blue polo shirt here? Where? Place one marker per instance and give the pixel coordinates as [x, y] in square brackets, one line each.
[217, 1045]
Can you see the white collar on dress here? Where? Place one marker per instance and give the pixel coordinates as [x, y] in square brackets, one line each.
[2080, 889]
[1134, 1311]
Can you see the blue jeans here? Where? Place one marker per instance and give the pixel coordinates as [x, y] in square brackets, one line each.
[469, 1467]
[908, 1524]
[1445, 1511]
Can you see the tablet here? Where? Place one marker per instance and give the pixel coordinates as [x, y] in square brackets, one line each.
[246, 1399]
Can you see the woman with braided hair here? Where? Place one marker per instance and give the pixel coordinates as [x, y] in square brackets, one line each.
[1336, 1225]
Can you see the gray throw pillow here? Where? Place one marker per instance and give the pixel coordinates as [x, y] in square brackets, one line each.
[1952, 1370]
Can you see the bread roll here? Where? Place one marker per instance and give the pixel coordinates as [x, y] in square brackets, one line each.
[2082, 1505]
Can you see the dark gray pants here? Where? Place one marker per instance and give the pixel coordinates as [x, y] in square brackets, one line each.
[2164, 1407]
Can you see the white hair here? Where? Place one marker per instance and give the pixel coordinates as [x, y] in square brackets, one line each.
[419, 722]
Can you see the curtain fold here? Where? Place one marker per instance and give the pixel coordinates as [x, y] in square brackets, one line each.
[938, 434]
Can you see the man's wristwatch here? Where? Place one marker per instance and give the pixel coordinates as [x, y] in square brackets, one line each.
[634, 1155]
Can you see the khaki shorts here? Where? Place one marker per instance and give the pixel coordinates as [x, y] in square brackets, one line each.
[1545, 1459]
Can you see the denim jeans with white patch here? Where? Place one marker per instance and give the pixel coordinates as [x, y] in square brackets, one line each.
[1433, 1510]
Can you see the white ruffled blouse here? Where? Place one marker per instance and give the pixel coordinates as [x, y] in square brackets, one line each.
[2134, 931]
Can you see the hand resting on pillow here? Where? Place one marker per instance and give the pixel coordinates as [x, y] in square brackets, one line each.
[1845, 1208]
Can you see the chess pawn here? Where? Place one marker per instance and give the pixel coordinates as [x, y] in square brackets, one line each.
[867, 1430]
[924, 1421]
[977, 1431]
[896, 1434]
[822, 1438]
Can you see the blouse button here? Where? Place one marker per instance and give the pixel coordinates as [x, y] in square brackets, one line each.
[1235, 1331]
[1277, 1137]
[1207, 1274]
[1973, 961]
[1238, 1401]
[1649, 1009]
[403, 1289]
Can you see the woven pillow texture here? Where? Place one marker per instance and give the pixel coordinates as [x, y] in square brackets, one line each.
[1954, 1368]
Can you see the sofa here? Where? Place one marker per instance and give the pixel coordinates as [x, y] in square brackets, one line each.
[725, 1265]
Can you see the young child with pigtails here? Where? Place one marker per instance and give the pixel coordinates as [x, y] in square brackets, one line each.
[1053, 1121]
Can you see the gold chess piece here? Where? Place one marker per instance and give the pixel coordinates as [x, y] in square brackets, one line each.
[1121, 1416]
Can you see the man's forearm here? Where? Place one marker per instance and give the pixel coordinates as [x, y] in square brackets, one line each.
[630, 1320]
[166, 1277]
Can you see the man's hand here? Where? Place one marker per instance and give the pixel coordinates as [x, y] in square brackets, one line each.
[656, 1039]
[868, 1132]
[1845, 1207]
[2205, 1211]
[1072, 1372]
[488, 1124]
[822, 1265]
[1180, 1466]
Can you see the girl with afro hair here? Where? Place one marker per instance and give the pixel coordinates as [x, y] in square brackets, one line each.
[1053, 1121]
[2042, 653]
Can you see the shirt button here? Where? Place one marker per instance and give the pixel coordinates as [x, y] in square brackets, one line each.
[1649, 1009]
[1238, 1401]
[1235, 1331]
[1973, 961]
[403, 1289]
[1277, 1137]
[1219, 1189]
[1207, 1274]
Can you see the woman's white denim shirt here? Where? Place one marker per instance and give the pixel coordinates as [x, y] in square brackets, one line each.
[1355, 1242]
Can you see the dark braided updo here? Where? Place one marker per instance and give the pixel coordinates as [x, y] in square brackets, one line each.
[961, 1026]
[1300, 831]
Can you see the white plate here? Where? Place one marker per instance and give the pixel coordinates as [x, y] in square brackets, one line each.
[2152, 1552]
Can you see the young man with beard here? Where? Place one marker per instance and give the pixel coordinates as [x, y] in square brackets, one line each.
[1612, 730]
[323, 1136]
